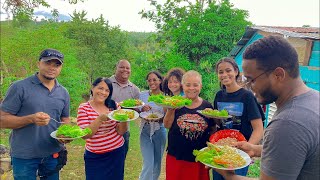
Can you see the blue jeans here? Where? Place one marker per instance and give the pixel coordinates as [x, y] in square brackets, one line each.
[26, 169]
[126, 137]
[241, 172]
[152, 149]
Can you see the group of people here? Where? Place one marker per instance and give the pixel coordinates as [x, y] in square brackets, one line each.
[290, 147]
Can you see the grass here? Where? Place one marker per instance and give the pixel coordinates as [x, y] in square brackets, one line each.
[74, 170]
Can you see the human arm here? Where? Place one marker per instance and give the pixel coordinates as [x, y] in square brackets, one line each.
[122, 128]
[10, 121]
[168, 118]
[94, 125]
[257, 132]
[251, 149]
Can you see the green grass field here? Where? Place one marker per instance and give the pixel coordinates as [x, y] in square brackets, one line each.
[74, 170]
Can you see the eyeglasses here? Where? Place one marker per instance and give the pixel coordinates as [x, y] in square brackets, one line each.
[152, 80]
[249, 82]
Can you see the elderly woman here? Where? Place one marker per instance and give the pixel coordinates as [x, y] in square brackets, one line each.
[188, 130]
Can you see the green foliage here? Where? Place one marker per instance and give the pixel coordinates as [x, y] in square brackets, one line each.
[197, 37]
[254, 169]
[99, 46]
[23, 48]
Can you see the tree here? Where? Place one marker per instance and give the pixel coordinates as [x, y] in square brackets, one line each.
[55, 15]
[99, 45]
[22, 10]
[203, 32]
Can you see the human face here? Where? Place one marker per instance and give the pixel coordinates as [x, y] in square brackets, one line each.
[192, 87]
[260, 82]
[153, 82]
[174, 85]
[49, 70]
[123, 70]
[227, 74]
[100, 92]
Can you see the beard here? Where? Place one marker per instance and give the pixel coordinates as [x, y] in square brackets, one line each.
[48, 78]
[268, 96]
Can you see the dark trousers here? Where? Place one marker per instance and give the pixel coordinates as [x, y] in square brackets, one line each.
[126, 137]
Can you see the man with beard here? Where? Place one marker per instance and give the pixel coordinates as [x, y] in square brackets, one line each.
[290, 147]
[124, 89]
[27, 109]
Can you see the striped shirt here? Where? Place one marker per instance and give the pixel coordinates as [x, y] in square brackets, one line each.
[106, 138]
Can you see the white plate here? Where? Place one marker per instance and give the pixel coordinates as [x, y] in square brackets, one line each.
[145, 115]
[243, 154]
[168, 106]
[132, 107]
[215, 117]
[54, 135]
[136, 115]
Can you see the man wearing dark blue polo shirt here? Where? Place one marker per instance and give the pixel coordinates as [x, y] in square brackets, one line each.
[28, 109]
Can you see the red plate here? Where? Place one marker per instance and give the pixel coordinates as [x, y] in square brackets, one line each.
[226, 133]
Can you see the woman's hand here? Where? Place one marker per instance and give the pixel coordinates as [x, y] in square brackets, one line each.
[103, 118]
[146, 108]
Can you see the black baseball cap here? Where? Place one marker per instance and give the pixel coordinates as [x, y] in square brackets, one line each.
[50, 54]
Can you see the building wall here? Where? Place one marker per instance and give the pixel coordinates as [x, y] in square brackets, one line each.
[309, 60]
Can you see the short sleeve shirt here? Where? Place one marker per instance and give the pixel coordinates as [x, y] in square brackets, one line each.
[30, 96]
[243, 107]
[120, 93]
[190, 130]
[291, 140]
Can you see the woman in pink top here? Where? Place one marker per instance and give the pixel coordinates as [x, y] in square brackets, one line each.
[104, 155]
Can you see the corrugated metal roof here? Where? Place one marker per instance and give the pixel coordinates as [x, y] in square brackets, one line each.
[299, 32]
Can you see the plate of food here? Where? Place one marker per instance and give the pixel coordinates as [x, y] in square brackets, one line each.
[170, 101]
[226, 137]
[151, 116]
[69, 132]
[131, 103]
[222, 157]
[214, 113]
[123, 115]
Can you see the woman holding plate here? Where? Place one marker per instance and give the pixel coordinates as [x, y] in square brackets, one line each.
[152, 132]
[104, 151]
[240, 103]
[188, 130]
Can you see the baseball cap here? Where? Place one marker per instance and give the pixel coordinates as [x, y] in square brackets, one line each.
[50, 54]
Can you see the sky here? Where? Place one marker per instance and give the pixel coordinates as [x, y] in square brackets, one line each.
[293, 13]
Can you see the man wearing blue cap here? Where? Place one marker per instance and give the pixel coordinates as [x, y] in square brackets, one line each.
[27, 109]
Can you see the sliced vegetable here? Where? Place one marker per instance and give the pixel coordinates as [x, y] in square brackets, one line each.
[215, 112]
[131, 103]
[174, 101]
[67, 130]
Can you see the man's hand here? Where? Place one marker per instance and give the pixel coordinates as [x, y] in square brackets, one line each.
[40, 119]
[246, 147]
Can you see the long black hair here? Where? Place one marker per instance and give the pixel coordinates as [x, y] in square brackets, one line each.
[158, 75]
[234, 65]
[108, 102]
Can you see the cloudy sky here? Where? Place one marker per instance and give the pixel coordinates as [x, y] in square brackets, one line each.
[124, 13]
